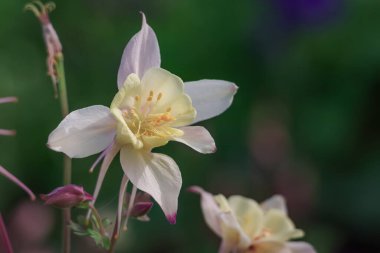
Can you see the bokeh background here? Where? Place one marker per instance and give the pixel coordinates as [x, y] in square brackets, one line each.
[304, 123]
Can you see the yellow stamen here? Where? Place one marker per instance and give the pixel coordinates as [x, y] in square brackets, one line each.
[159, 96]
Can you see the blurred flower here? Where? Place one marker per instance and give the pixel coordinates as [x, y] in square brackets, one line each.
[66, 196]
[52, 42]
[30, 225]
[151, 108]
[299, 12]
[247, 227]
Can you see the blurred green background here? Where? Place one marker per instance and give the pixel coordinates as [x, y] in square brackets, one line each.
[304, 123]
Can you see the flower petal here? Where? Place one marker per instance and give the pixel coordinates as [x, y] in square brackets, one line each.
[275, 202]
[141, 53]
[232, 231]
[166, 92]
[248, 213]
[84, 132]
[280, 226]
[210, 97]
[210, 209]
[270, 247]
[300, 247]
[156, 174]
[197, 138]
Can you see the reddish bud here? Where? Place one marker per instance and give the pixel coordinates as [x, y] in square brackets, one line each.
[66, 196]
[141, 205]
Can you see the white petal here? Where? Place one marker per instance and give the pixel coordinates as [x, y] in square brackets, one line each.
[248, 213]
[197, 138]
[275, 202]
[210, 97]
[84, 132]
[141, 53]
[210, 209]
[300, 247]
[156, 174]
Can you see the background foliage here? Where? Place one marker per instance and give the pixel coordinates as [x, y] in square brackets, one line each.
[304, 122]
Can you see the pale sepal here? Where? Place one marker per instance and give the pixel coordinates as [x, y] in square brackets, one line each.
[141, 53]
[210, 97]
[155, 174]
[84, 132]
[197, 138]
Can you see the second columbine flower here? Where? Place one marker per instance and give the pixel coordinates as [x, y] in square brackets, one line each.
[152, 107]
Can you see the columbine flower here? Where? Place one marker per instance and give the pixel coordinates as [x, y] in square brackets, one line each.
[247, 227]
[66, 196]
[152, 107]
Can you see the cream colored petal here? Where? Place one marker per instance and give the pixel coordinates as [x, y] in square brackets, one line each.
[126, 97]
[165, 91]
[270, 247]
[275, 202]
[197, 138]
[124, 134]
[232, 231]
[162, 137]
[84, 132]
[248, 213]
[280, 227]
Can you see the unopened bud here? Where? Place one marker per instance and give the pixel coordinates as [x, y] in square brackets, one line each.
[66, 196]
[141, 206]
[52, 42]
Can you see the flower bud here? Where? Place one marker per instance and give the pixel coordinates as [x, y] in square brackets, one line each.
[141, 205]
[52, 42]
[66, 196]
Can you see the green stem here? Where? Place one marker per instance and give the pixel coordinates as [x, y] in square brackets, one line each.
[60, 68]
[98, 219]
[114, 237]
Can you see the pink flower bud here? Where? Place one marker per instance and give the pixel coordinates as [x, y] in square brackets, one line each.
[141, 206]
[52, 42]
[66, 196]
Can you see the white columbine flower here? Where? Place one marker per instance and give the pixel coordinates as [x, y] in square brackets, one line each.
[152, 107]
[248, 227]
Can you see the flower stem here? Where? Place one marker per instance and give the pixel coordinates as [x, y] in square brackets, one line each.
[66, 160]
[115, 236]
[130, 206]
[99, 219]
[5, 242]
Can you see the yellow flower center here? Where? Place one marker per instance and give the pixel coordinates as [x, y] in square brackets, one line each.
[145, 113]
